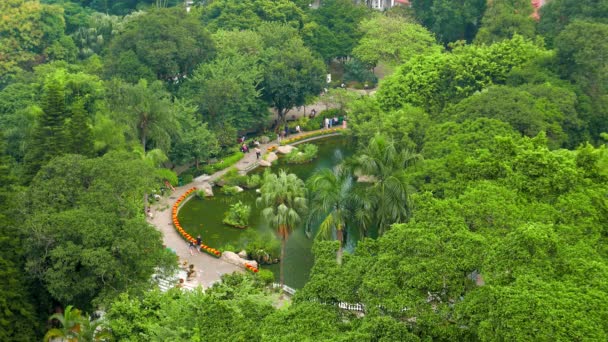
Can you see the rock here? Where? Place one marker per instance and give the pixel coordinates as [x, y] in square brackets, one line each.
[242, 254]
[235, 259]
[238, 188]
[366, 179]
[264, 163]
[232, 258]
[207, 190]
[271, 157]
[285, 149]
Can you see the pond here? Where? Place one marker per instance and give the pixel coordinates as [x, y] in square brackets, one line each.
[204, 216]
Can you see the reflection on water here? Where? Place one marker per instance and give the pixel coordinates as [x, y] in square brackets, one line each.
[204, 216]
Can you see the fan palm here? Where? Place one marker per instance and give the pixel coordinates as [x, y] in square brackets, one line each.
[388, 196]
[283, 199]
[331, 198]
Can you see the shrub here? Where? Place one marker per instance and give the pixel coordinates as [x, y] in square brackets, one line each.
[264, 139]
[303, 154]
[238, 215]
[167, 175]
[224, 163]
[187, 178]
[230, 190]
[355, 70]
[200, 193]
[266, 277]
[314, 123]
[233, 178]
[227, 247]
[264, 248]
[253, 181]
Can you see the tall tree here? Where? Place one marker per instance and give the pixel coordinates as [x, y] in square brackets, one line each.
[168, 42]
[147, 110]
[226, 90]
[336, 32]
[331, 193]
[393, 40]
[291, 73]
[283, 197]
[450, 20]
[388, 195]
[84, 247]
[503, 19]
[48, 139]
[30, 33]
[555, 15]
[79, 134]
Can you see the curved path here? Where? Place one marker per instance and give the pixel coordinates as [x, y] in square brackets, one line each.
[209, 269]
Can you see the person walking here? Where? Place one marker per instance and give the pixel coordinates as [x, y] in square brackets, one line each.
[326, 123]
[198, 242]
[298, 129]
[258, 153]
[191, 247]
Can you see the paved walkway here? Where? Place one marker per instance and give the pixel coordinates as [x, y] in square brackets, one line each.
[208, 269]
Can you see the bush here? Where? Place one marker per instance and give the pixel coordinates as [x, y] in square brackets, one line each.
[226, 162]
[238, 215]
[186, 178]
[227, 248]
[233, 178]
[302, 154]
[264, 139]
[167, 175]
[355, 70]
[253, 181]
[264, 248]
[330, 113]
[199, 193]
[314, 123]
[266, 277]
[230, 190]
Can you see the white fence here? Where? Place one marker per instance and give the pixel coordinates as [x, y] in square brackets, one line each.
[342, 305]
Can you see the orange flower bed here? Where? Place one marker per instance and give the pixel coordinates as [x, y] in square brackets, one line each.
[251, 268]
[212, 251]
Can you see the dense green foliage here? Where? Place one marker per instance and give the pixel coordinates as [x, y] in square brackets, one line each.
[302, 154]
[477, 194]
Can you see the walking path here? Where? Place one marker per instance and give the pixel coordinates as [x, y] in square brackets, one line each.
[208, 269]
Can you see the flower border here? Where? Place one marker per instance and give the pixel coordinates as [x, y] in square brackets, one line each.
[310, 135]
[251, 268]
[209, 250]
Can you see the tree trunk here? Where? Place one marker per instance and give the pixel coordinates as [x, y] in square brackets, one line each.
[340, 237]
[281, 276]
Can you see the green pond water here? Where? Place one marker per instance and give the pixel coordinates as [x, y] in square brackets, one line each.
[204, 216]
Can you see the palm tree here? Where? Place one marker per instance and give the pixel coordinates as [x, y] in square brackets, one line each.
[283, 199]
[388, 196]
[76, 327]
[70, 325]
[331, 200]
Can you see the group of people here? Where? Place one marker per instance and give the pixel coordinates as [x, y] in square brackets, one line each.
[245, 148]
[192, 246]
[329, 122]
